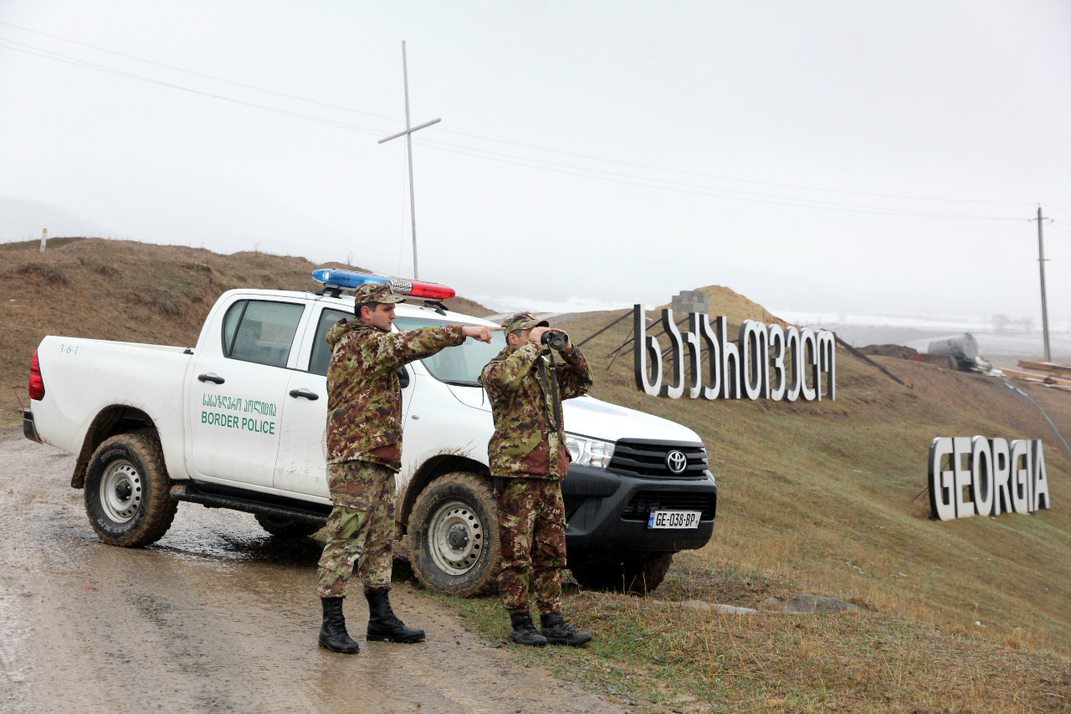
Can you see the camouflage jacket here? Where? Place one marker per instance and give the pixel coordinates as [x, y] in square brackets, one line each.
[364, 398]
[529, 438]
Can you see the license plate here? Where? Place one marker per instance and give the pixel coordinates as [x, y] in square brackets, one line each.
[673, 519]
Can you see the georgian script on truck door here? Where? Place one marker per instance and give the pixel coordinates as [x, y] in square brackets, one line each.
[237, 392]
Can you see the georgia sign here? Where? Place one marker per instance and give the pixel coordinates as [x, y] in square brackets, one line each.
[986, 477]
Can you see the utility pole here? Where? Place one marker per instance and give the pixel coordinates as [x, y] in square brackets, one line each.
[408, 134]
[1041, 266]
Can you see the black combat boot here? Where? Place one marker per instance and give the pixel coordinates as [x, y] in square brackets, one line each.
[383, 624]
[333, 635]
[524, 632]
[559, 632]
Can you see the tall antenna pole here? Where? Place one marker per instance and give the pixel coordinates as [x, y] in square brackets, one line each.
[408, 134]
[1044, 305]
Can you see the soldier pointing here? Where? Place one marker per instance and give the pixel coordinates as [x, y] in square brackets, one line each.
[364, 446]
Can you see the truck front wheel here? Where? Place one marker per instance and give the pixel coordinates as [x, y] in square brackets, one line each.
[634, 575]
[453, 535]
[127, 491]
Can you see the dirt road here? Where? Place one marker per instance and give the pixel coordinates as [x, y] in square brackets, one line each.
[217, 616]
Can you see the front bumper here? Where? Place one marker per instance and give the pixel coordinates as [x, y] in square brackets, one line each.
[29, 429]
[607, 512]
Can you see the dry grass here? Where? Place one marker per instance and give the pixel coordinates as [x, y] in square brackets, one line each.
[832, 494]
[829, 498]
[794, 662]
[654, 655]
[123, 290]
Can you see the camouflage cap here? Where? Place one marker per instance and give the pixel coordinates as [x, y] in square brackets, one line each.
[522, 321]
[376, 292]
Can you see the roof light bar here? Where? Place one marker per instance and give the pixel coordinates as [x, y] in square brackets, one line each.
[336, 278]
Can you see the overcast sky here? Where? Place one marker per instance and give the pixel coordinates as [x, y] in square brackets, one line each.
[829, 156]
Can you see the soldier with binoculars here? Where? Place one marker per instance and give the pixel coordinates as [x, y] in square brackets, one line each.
[528, 459]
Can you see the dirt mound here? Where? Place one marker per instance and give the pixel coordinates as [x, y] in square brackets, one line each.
[726, 301]
[890, 351]
[124, 290]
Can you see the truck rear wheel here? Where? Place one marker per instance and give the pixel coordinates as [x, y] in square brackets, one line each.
[127, 491]
[633, 575]
[283, 527]
[453, 535]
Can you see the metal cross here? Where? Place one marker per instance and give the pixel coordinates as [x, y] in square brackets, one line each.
[408, 134]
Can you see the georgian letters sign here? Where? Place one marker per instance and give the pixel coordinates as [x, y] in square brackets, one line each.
[766, 361]
[980, 476]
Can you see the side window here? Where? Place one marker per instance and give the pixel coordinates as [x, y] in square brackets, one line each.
[261, 331]
[321, 351]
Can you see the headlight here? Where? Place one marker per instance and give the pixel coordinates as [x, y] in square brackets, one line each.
[589, 452]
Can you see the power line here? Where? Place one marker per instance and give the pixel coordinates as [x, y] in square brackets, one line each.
[607, 176]
[65, 59]
[199, 74]
[736, 178]
[677, 187]
[478, 136]
[513, 159]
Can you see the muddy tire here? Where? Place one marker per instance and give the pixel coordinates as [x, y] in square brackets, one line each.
[632, 576]
[127, 491]
[283, 527]
[453, 535]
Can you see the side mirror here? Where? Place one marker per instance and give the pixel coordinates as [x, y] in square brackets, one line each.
[403, 377]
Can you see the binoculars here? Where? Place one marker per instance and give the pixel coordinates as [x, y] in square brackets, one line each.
[555, 339]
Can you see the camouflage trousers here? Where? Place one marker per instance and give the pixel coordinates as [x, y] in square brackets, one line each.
[361, 526]
[531, 531]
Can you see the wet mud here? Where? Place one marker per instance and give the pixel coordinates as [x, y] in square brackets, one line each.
[217, 616]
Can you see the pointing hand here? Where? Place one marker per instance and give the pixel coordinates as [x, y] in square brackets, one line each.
[481, 332]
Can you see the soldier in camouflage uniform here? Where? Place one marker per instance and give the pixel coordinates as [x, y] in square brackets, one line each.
[528, 459]
[364, 446]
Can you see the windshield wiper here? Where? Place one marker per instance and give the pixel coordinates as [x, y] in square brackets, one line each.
[462, 383]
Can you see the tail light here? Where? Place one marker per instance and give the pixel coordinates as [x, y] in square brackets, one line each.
[37, 382]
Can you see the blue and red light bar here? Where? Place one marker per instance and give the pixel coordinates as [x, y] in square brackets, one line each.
[336, 278]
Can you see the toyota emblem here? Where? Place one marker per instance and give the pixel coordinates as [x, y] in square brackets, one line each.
[676, 461]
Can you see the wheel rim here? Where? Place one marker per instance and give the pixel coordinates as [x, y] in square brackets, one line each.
[121, 491]
[455, 538]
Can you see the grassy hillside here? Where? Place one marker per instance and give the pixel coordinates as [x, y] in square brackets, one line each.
[822, 497]
[124, 290]
[833, 494]
[830, 497]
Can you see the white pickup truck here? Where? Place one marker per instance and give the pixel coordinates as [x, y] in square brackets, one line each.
[238, 422]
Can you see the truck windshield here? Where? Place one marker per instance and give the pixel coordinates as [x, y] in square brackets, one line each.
[456, 365]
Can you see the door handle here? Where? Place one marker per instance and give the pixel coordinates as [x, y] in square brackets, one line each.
[304, 393]
[210, 377]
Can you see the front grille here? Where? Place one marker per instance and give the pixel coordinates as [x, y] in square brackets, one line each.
[639, 508]
[648, 458]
